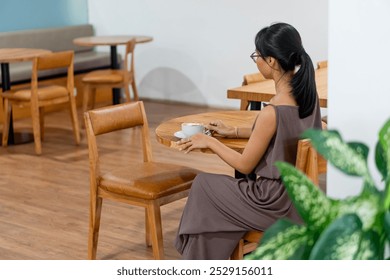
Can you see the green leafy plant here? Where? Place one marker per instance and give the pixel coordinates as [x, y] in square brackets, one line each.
[357, 227]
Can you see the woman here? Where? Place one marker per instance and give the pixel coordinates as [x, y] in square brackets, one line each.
[220, 208]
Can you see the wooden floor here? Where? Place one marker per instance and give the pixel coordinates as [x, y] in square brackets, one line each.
[44, 199]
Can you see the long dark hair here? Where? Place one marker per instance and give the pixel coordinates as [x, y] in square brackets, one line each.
[283, 42]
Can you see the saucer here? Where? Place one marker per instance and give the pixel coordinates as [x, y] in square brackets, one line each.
[180, 134]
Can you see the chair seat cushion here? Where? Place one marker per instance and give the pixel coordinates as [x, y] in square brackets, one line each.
[104, 76]
[44, 93]
[150, 180]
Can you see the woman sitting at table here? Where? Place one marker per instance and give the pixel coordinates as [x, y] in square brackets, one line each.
[221, 208]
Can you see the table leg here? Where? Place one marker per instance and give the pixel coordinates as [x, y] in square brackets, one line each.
[116, 92]
[13, 138]
[6, 85]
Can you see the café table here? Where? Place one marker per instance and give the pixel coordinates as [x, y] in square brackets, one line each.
[264, 91]
[11, 55]
[166, 130]
[113, 41]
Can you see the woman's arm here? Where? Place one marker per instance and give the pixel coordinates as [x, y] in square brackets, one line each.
[258, 142]
[229, 131]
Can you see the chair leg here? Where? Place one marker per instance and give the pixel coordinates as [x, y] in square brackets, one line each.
[86, 94]
[92, 97]
[6, 120]
[135, 91]
[94, 225]
[154, 216]
[74, 118]
[238, 252]
[42, 121]
[127, 92]
[147, 229]
[36, 128]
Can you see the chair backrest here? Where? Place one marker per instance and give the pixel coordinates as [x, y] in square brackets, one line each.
[253, 78]
[52, 61]
[322, 64]
[113, 118]
[128, 63]
[309, 161]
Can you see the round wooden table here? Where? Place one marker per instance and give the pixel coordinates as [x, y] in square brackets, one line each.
[113, 41]
[7, 56]
[165, 131]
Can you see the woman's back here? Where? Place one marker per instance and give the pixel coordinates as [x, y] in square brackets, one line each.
[283, 146]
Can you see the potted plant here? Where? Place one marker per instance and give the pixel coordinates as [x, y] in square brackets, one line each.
[356, 227]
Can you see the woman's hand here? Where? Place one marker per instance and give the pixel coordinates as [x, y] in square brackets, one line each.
[221, 128]
[197, 141]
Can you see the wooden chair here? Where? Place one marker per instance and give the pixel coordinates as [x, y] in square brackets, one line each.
[250, 79]
[322, 64]
[111, 78]
[39, 96]
[145, 183]
[309, 162]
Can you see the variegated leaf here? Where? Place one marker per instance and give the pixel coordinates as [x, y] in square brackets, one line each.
[381, 160]
[366, 206]
[311, 203]
[284, 241]
[387, 224]
[384, 138]
[370, 247]
[345, 239]
[329, 144]
[386, 200]
[360, 148]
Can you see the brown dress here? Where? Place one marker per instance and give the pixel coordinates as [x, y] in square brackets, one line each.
[221, 208]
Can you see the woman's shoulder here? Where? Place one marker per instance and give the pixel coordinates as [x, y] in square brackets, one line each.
[282, 106]
[268, 113]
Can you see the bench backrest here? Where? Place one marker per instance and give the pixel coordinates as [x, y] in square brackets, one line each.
[55, 39]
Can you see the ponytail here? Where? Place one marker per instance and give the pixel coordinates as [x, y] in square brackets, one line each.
[283, 42]
[304, 86]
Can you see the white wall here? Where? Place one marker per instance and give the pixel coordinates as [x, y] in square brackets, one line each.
[201, 48]
[359, 88]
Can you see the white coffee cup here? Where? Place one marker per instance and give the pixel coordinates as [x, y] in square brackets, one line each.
[190, 129]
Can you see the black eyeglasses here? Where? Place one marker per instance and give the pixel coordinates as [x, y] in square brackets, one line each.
[255, 56]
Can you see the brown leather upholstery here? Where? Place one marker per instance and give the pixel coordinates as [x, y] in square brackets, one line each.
[112, 78]
[253, 78]
[322, 64]
[38, 96]
[115, 118]
[150, 180]
[104, 76]
[44, 93]
[309, 162]
[147, 184]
